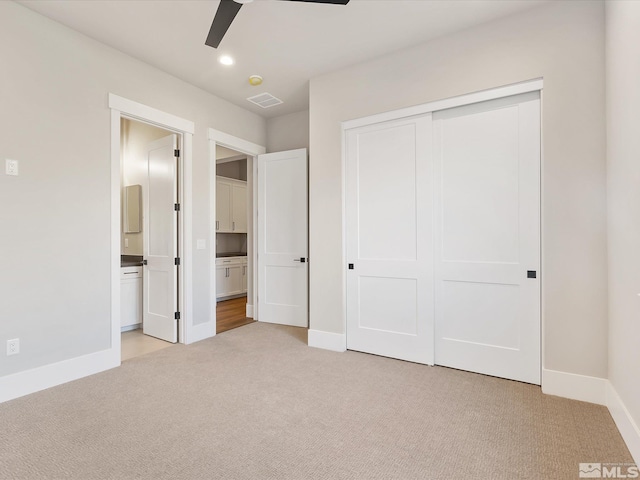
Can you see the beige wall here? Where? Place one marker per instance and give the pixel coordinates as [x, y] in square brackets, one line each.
[288, 132]
[623, 172]
[135, 136]
[54, 118]
[563, 42]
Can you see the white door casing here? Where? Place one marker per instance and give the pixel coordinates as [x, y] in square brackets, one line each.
[283, 238]
[252, 150]
[388, 239]
[487, 214]
[160, 298]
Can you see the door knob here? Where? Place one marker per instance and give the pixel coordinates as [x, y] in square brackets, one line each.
[301, 260]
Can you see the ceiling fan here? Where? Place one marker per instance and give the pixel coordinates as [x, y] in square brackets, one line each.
[227, 11]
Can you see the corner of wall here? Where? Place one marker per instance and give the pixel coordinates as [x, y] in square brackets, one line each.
[574, 386]
[624, 421]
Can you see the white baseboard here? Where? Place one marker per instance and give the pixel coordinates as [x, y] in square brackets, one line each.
[624, 421]
[574, 386]
[41, 378]
[200, 332]
[327, 340]
[249, 313]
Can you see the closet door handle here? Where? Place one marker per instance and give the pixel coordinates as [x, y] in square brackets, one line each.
[233, 226]
[217, 224]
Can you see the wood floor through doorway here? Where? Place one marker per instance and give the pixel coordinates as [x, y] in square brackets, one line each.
[232, 314]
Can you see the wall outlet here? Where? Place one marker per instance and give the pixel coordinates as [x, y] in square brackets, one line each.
[12, 167]
[13, 346]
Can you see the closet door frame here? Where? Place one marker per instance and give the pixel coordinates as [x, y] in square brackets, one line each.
[431, 107]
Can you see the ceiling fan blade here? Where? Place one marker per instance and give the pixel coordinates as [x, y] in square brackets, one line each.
[335, 2]
[227, 11]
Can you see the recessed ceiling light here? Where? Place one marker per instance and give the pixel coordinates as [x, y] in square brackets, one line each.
[255, 80]
[226, 60]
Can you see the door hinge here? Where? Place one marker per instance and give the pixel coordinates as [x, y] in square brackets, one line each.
[176, 207]
[176, 261]
[176, 153]
[176, 316]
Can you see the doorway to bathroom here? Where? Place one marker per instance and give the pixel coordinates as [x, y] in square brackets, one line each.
[150, 166]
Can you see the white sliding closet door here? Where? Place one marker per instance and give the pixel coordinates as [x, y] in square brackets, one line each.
[487, 232]
[389, 240]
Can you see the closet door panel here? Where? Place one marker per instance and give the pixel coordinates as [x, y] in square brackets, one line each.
[487, 256]
[389, 246]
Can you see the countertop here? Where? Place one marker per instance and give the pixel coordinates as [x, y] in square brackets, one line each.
[136, 260]
[231, 254]
[130, 260]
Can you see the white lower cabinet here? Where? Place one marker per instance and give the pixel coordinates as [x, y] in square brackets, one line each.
[231, 276]
[130, 298]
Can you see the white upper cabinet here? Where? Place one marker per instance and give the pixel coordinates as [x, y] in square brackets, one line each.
[223, 206]
[239, 207]
[231, 205]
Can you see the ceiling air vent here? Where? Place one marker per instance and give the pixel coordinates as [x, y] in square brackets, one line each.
[265, 100]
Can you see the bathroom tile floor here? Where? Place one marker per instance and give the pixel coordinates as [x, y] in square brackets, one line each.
[135, 343]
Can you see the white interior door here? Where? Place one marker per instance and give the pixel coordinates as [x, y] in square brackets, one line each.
[160, 298]
[487, 255]
[389, 239]
[283, 238]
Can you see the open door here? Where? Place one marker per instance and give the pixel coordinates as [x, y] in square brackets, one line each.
[160, 292]
[283, 273]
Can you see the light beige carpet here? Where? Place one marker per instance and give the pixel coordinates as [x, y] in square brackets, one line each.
[258, 403]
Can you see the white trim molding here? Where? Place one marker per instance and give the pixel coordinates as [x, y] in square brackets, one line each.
[150, 115]
[466, 99]
[236, 143]
[624, 421]
[249, 310]
[574, 386]
[47, 376]
[336, 342]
